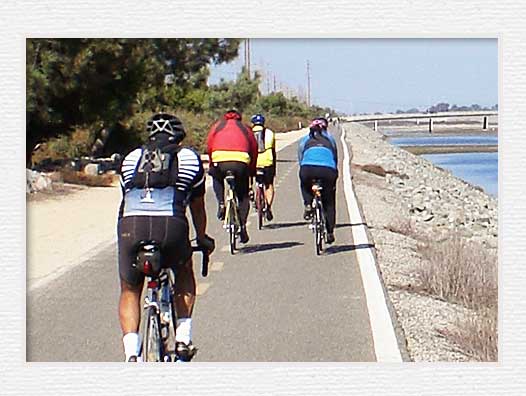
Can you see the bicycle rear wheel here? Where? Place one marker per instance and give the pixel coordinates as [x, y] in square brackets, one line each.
[232, 229]
[152, 343]
[260, 205]
[319, 229]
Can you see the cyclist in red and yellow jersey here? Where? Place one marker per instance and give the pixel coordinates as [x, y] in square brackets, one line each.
[232, 147]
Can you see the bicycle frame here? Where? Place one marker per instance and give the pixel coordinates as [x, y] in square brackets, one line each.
[261, 199]
[159, 319]
[232, 222]
[318, 219]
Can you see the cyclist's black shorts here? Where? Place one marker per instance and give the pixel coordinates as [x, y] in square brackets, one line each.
[240, 171]
[269, 173]
[171, 232]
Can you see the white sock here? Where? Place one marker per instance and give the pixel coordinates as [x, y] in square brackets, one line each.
[132, 344]
[183, 332]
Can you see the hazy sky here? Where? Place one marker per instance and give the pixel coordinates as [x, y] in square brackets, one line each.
[368, 75]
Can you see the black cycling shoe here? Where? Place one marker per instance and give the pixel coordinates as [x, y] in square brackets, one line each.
[269, 215]
[330, 238]
[221, 210]
[243, 235]
[307, 214]
[132, 358]
[185, 352]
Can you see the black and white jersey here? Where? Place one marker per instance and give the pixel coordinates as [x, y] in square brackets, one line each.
[168, 201]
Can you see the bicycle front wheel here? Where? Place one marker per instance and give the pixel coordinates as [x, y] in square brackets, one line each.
[152, 343]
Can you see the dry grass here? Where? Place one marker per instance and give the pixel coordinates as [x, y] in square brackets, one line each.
[72, 177]
[465, 273]
[477, 334]
[402, 226]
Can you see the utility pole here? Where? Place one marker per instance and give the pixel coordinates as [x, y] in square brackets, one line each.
[248, 52]
[308, 83]
[247, 56]
[274, 83]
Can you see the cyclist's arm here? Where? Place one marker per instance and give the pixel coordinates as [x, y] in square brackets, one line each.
[253, 147]
[334, 146]
[300, 150]
[197, 209]
[209, 144]
[274, 154]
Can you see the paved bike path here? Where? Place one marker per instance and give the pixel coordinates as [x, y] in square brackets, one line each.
[273, 301]
[276, 300]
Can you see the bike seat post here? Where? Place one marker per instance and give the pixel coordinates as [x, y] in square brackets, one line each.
[230, 179]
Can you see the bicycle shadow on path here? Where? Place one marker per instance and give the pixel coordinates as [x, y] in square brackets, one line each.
[347, 248]
[269, 246]
[274, 226]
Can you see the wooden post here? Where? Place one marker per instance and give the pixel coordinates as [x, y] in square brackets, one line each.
[418, 121]
[376, 125]
[485, 123]
[430, 125]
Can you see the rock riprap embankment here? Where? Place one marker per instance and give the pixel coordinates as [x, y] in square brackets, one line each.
[433, 195]
[407, 202]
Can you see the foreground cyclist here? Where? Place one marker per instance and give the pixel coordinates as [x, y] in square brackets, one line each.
[266, 162]
[232, 147]
[318, 159]
[153, 207]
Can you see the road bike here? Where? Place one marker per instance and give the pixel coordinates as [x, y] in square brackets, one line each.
[318, 220]
[159, 314]
[232, 222]
[260, 198]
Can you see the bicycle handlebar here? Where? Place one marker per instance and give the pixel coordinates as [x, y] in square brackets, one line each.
[206, 259]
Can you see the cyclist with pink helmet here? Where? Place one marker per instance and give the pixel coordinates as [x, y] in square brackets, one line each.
[318, 159]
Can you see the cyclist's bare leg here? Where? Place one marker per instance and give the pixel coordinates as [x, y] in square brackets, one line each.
[184, 290]
[129, 307]
[269, 194]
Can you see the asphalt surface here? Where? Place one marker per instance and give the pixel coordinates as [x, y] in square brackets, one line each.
[274, 300]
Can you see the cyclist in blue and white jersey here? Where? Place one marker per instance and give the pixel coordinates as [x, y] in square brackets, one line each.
[318, 159]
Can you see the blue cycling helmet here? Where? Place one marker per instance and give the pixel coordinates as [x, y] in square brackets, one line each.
[258, 119]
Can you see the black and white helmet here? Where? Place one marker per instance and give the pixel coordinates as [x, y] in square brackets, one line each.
[167, 123]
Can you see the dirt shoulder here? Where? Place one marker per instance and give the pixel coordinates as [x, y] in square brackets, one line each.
[64, 229]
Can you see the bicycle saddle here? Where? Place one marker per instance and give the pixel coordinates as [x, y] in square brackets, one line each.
[148, 259]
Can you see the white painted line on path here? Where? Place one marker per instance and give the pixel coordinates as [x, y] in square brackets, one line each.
[217, 266]
[202, 288]
[384, 337]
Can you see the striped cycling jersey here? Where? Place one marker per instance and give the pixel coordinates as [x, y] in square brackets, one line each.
[168, 201]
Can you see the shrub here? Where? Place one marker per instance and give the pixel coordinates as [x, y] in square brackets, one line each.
[72, 177]
[66, 146]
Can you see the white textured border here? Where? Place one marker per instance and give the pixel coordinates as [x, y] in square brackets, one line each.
[256, 18]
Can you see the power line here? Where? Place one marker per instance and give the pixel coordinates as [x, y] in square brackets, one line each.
[308, 83]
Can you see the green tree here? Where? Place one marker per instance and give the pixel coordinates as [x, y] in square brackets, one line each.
[100, 83]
